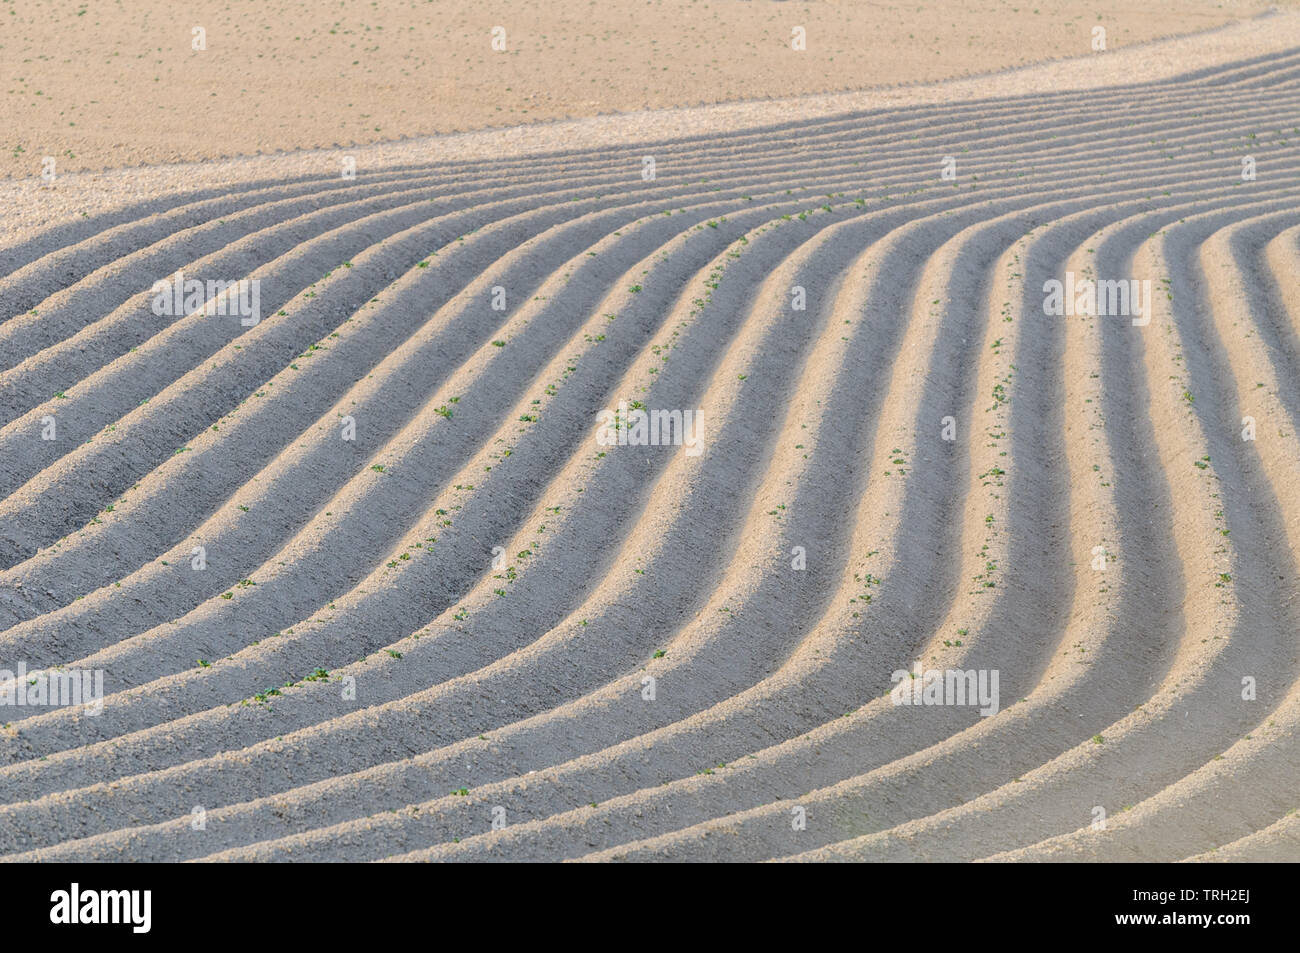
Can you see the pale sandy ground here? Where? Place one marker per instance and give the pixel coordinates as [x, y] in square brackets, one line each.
[115, 84]
[31, 203]
[515, 695]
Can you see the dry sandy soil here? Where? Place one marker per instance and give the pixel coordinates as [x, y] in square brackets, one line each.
[363, 583]
[102, 85]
